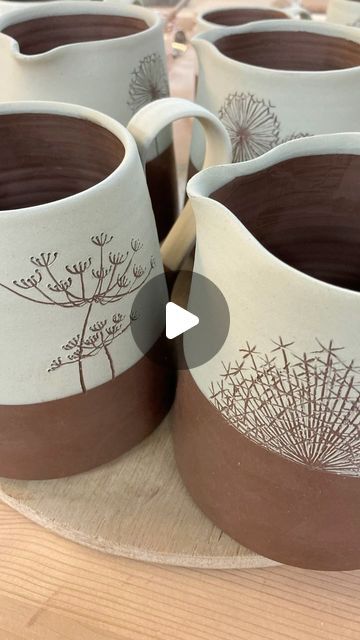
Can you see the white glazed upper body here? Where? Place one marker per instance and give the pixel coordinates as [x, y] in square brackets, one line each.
[345, 12]
[33, 335]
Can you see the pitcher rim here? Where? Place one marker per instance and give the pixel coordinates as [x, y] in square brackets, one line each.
[67, 109]
[86, 7]
[229, 7]
[218, 176]
[351, 34]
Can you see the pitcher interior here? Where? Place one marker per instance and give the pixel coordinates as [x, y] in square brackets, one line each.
[306, 212]
[291, 50]
[47, 157]
[239, 15]
[43, 34]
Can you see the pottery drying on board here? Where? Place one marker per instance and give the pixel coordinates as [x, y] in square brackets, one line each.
[267, 433]
[78, 241]
[274, 81]
[101, 55]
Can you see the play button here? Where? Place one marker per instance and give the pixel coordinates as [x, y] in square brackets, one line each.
[186, 331]
[178, 320]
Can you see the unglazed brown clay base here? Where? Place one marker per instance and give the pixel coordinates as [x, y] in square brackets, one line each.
[303, 517]
[86, 429]
[162, 183]
[135, 507]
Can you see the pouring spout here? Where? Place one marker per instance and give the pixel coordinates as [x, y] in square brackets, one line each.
[10, 44]
[202, 46]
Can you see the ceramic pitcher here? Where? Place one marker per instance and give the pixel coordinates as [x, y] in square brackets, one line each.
[267, 433]
[78, 241]
[14, 5]
[101, 55]
[344, 12]
[232, 16]
[274, 81]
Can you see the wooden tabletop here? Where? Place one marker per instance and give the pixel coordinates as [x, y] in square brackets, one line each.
[52, 589]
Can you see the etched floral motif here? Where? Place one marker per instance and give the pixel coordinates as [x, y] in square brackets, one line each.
[356, 23]
[148, 82]
[252, 124]
[304, 407]
[87, 284]
[294, 136]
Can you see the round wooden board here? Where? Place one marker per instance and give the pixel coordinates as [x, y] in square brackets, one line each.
[136, 507]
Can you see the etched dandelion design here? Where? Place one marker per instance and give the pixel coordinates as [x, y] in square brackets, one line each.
[252, 124]
[304, 407]
[148, 82]
[294, 136]
[87, 284]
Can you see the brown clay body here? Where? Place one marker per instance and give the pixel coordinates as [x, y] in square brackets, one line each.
[281, 510]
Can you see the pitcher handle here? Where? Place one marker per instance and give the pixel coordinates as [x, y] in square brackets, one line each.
[145, 125]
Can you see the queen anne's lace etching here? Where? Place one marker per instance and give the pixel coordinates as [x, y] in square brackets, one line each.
[87, 284]
[304, 407]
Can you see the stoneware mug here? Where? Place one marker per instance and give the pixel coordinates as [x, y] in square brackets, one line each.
[267, 433]
[344, 12]
[14, 5]
[101, 55]
[277, 80]
[232, 16]
[78, 240]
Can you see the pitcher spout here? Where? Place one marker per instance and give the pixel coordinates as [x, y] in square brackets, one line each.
[9, 44]
[202, 46]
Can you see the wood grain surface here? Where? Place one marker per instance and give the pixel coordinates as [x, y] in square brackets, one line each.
[136, 507]
[52, 589]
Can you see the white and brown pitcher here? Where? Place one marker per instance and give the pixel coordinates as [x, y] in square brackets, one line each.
[78, 241]
[267, 433]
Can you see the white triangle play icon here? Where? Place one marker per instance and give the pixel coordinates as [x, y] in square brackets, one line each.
[178, 320]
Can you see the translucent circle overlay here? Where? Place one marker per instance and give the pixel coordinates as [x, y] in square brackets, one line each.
[192, 292]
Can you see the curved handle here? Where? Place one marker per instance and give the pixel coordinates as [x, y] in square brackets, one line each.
[145, 125]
